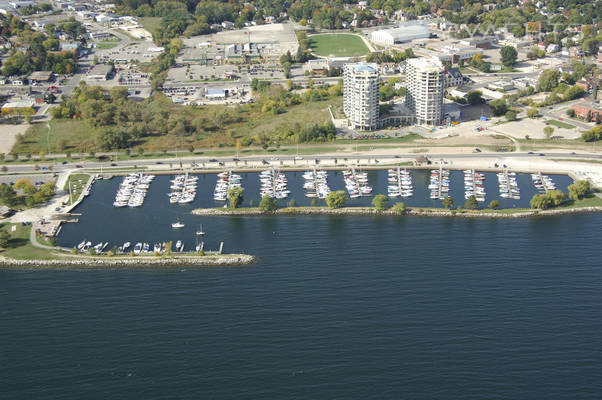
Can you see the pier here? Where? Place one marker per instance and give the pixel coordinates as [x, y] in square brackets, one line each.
[473, 185]
[543, 183]
[508, 185]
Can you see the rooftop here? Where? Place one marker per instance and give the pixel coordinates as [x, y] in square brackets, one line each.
[364, 67]
[426, 64]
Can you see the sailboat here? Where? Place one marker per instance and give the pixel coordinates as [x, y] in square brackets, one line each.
[200, 232]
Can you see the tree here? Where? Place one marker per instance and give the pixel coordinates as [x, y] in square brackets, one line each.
[471, 203]
[552, 198]
[235, 196]
[494, 204]
[510, 115]
[548, 130]
[4, 238]
[498, 107]
[509, 55]
[448, 203]
[532, 112]
[570, 113]
[336, 199]
[399, 208]
[518, 31]
[548, 80]
[268, 204]
[593, 134]
[380, 202]
[474, 97]
[579, 189]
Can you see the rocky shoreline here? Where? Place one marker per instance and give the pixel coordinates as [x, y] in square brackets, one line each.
[132, 262]
[411, 212]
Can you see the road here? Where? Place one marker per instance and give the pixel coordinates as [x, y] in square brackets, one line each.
[275, 161]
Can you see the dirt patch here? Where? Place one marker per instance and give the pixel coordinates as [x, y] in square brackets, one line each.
[8, 136]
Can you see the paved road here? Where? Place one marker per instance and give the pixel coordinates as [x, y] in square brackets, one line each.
[275, 160]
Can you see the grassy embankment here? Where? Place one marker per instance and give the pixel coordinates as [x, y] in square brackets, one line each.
[78, 183]
[338, 44]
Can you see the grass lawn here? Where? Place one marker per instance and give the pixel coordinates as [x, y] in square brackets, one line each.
[57, 136]
[560, 124]
[150, 23]
[576, 160]
[338, 44]
[590, 201]
[19, 246]
[107, 44]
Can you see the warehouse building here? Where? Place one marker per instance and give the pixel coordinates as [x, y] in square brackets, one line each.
[402, 34]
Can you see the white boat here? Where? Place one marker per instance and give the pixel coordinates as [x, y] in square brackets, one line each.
[177, 225]
[81, 245]
[178, 244]
[138, 248]
[200, 232]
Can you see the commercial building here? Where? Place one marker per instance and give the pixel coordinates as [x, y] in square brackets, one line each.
[361, 95]
[402, 34]
[100, 72]
[425, 82]
[588, 111]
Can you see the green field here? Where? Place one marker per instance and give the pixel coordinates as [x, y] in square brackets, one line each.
[560, 124]
[107, 44]
[57, 137]
[338, 45]
[150, 23]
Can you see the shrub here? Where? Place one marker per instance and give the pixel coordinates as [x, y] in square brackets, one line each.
[399, 208]
[494, 204]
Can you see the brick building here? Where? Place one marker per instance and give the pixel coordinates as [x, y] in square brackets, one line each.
[589, 111]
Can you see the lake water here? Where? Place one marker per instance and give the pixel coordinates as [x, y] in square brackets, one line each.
[350, 307]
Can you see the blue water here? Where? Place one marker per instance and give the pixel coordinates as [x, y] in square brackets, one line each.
[337, 307]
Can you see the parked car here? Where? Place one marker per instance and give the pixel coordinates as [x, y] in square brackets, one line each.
[79, 166]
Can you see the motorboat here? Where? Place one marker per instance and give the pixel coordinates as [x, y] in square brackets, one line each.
[138, 248]
[200, 232]
[177, 225]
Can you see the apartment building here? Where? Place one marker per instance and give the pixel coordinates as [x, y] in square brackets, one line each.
[361, 95]
[425, 83]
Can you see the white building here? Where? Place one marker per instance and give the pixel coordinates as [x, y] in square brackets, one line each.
[425, 82]
[402, 34]
[361, 95]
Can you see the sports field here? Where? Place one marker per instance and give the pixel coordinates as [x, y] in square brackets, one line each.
[338, 45]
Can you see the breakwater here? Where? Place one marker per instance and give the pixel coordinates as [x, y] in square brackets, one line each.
[412, 212]
[131, 262]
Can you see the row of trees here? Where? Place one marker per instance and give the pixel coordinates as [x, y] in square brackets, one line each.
[337, 199]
